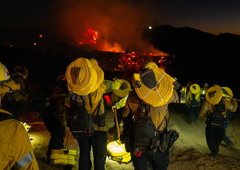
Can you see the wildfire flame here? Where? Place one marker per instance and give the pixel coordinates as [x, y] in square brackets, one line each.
[91, 37]
[132, 60]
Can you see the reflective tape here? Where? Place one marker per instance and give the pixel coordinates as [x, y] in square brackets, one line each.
[230, 108]
[25, 160]
[205, 107]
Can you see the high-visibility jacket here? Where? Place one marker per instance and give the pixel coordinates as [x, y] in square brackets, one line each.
[15, 146]
[119, 102]
[189, 97]
[157, 113]
[231, 106]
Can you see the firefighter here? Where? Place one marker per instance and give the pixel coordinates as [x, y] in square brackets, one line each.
[118, 100]
[150, 65]
[216, 107]
[228, 95]
[52, 107]
[19, 76]
[153, 91]
[193, 102]
[86, 86]
[10, 101]
[15, 144]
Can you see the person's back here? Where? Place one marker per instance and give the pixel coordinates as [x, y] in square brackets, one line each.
[145, 131]
[15, 145]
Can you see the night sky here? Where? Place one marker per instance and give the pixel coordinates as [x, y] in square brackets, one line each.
[209, 16]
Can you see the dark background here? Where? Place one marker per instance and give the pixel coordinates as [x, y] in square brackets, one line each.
[195, 56]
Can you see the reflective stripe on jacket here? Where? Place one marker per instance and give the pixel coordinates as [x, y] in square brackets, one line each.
[15, 146]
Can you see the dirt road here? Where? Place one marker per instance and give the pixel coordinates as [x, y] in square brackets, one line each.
[190, 150]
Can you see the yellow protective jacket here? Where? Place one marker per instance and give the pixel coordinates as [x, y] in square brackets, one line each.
[15, 146]
[117, 101]
[189, 97]
[97, 96]
[231, 106]
[132, 107]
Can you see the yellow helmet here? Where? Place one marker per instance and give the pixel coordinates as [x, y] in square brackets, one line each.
[227, 92]
[4, 74]
[6, 84]
[149, 65]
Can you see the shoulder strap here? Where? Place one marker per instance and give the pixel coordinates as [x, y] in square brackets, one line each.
[4, 116]
[95, 117]
[147, 111]
[193, 96]
[162, 123]
[97, 108]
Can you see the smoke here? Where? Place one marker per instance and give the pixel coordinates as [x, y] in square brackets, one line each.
[119, 23]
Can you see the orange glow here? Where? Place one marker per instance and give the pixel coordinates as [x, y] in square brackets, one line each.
[135, 60]
[40, 35]
[34, 43]
[91, 35]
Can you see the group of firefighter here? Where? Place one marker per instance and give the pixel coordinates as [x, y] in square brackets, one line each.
[83, 84]
[204, 101]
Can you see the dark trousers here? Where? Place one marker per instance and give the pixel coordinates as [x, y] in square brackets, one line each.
[119, 117]
[98, 141]
[56, 132]
[159, 160]
[214, 138]
[193, 114]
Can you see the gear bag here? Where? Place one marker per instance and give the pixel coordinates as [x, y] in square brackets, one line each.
[216, 118]
[145, 134]
[80, 121]
[194, 102]
[142, 135]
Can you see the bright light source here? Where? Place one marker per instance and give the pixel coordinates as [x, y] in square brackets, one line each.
[34, 43]
[150, 27]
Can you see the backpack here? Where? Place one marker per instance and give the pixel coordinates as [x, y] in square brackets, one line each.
[145, 134]
[216, 118]
[194, 101]
[80, 121]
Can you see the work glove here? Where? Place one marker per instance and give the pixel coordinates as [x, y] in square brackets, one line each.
[113, 108]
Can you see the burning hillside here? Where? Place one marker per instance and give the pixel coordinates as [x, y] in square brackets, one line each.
[115, 26]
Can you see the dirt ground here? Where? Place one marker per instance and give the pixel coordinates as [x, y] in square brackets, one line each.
[190, 151]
